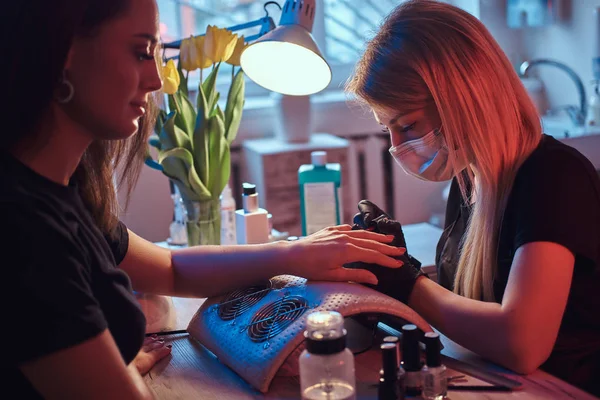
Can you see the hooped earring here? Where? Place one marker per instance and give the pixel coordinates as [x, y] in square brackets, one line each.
[70, 90]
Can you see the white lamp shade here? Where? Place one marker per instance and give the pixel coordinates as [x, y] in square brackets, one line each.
[287, 60]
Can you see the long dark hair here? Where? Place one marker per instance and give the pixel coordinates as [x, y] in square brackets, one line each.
[37, 36]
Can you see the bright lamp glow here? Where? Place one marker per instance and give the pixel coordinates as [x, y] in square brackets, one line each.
[287, 60]
[291, 69]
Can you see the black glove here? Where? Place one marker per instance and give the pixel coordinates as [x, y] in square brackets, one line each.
[394, 282]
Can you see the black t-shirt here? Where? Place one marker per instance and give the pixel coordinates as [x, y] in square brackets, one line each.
[61, 284]
[555, 198]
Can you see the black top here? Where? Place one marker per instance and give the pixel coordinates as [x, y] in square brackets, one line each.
[555, 198]
[61, 283]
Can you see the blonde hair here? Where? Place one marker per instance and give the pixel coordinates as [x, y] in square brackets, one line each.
[429, 52]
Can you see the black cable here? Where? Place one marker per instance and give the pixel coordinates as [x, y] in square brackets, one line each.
[369, 347]
[164, 333]
[363, 350]
[268, 3]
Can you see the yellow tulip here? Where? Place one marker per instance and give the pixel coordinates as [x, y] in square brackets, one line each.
[170, 77]
[219, 43]
[188, 54]
[240, 45]
[202, 61]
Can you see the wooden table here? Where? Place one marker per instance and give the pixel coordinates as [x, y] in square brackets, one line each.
[193, 372]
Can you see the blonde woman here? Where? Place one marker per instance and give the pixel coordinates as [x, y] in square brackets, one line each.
[518, 261]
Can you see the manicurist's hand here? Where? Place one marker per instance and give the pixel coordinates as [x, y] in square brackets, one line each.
[322, 255]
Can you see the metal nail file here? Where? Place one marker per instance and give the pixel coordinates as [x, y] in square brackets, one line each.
[478, 373]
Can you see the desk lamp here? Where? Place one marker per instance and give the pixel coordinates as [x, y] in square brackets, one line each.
[283, 59]
[287, 59]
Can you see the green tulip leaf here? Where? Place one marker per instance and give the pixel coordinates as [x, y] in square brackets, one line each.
[213, 109]
[234, 106]
[183, 80]
[224, 170]
[172, 136]
[197, 185]
[161, 117]
[219, 113]
[211, 79]
[192, 177]
[186, 115]
[175, 169]
[189, 114]
[217, 147]
[209, 87]
[168, 140]
[202, 104]
[200, 140]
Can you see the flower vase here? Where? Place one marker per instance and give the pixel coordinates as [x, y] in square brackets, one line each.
[203, 222]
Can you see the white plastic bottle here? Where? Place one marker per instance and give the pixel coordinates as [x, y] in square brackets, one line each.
[251, 221]
[327, 365]
[228, 234]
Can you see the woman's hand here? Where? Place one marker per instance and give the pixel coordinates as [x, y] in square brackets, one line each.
[322, 255]
[153, 350]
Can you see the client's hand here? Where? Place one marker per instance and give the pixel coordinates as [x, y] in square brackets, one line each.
[322, 255]
[153, 350]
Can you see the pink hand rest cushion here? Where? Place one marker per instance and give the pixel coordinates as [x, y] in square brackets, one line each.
[259, 332]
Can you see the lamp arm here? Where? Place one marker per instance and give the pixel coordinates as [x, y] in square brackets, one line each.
[266, 25]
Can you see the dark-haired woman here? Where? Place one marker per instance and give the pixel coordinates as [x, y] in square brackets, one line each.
[78, 79]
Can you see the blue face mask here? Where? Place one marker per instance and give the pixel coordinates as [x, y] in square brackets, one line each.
[426, 158]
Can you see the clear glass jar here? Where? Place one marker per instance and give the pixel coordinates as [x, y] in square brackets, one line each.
[326, 365]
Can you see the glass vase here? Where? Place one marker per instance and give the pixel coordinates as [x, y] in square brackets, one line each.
[203, 222]
[160, 312]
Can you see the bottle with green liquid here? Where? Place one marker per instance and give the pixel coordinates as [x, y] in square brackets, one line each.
[320, 194]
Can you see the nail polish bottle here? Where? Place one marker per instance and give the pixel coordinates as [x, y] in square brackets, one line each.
[411, 359]
[435, 383]
[391, 377]
[396, 341]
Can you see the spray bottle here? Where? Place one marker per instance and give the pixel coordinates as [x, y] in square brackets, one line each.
[228, 234]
